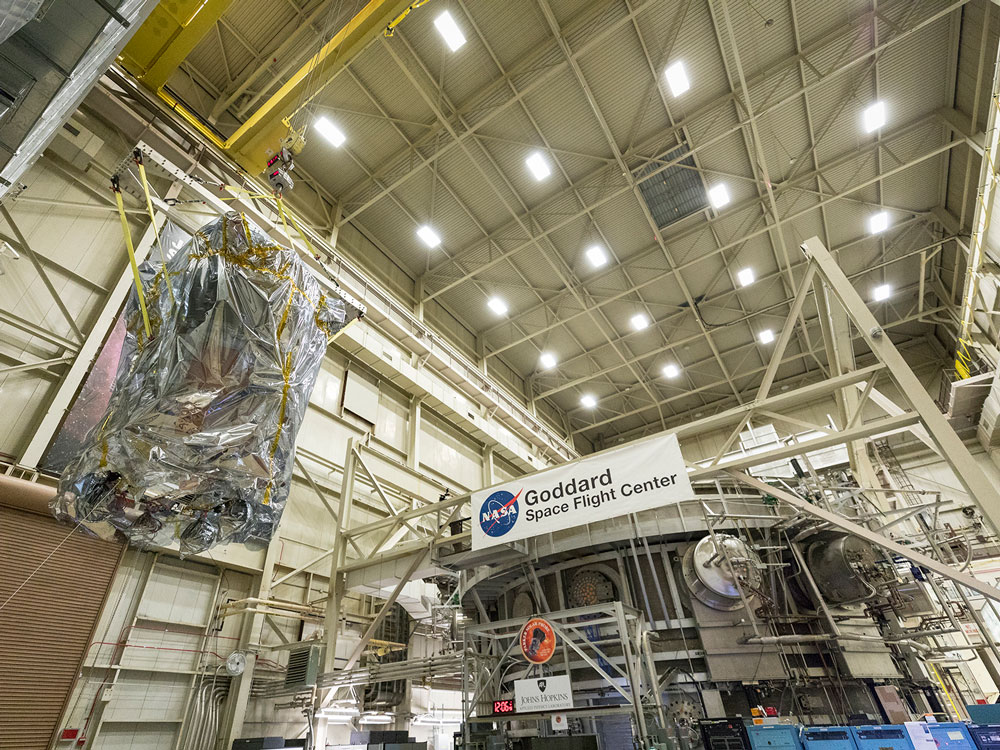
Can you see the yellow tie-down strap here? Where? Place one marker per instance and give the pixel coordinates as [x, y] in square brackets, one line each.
[131, 253]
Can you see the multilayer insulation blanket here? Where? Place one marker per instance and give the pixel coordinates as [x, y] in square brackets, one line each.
[198, 438]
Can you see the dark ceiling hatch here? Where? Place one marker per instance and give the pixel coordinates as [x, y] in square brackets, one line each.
[675, 192]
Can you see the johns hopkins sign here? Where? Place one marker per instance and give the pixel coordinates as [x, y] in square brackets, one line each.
[543, 694]
[612, 483]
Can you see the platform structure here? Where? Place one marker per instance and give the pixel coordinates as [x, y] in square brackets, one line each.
[493, 658]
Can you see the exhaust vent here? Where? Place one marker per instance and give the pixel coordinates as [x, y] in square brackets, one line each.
[303, 667]
[675, 192]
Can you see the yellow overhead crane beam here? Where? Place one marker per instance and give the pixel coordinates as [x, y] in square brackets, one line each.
[167, 36]
[154, 53]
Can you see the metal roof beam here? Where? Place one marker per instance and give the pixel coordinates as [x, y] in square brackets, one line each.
[613, 146]
[674, 321]
[548, 251]
[838, 70]
[746, 373]
[755, 233]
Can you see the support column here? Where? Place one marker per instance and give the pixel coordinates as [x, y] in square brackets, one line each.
[336, 586]
[413, 436]
[840, 356]
[235, 710]
[335, 229]
[418, 293]
[489, 469]
[481, 354]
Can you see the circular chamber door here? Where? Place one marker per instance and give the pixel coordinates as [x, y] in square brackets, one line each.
[588, 587]
[714, 571]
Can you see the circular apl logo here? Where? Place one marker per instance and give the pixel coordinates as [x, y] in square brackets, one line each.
[499, 513]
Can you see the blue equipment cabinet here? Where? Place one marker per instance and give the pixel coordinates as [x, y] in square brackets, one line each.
[951, 735]
[986, 736]
[829, 738]
[774, 737]
[882, 737]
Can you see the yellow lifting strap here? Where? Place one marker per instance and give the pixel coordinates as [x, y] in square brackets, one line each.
[137, 157]
[303, 235]
[282, 211]
[131, 253]
[247, 193]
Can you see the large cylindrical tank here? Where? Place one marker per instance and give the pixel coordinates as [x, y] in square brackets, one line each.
[841, 566]
[714, 571]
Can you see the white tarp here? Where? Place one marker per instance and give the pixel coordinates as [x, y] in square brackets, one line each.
[636, 477]
[543, 694]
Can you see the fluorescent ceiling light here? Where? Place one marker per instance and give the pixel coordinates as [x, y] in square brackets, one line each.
[766, 336]
[878, 222]
[671, 371]
[745, 277]
[429, 236]
[639, 321]
[538, 165]
[718, 195]
[547, 360]
[330, 131]
[874, 117]
[497, 305]
[881, 292]
[587, 401]
[677, 78]
[447, 27]
[596, 256]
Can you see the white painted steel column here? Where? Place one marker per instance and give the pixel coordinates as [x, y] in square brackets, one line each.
[953, 450]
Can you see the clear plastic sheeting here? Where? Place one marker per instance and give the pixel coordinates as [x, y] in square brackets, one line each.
[197, 441]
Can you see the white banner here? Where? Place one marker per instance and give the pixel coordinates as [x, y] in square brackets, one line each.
[543, 694]
[612, 483]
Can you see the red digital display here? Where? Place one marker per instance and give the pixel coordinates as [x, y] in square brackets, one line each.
[503, 707]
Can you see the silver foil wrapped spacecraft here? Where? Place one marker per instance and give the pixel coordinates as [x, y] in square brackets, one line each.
[197, 441]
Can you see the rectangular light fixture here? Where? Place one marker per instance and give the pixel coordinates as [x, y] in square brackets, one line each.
[497, 305]
[547, 360]
[538, 165]
[596, 256]
[718, 195]
[881, 292]
[447, 28]
[874, 117]
[677, 78]
[878, 222]
[429, 236]
[639, 321]
[330, 131]
[587, 401]
[766, 336]
[745, 277]
[671, 371]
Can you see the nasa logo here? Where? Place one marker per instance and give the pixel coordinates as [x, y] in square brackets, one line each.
[499, 513]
